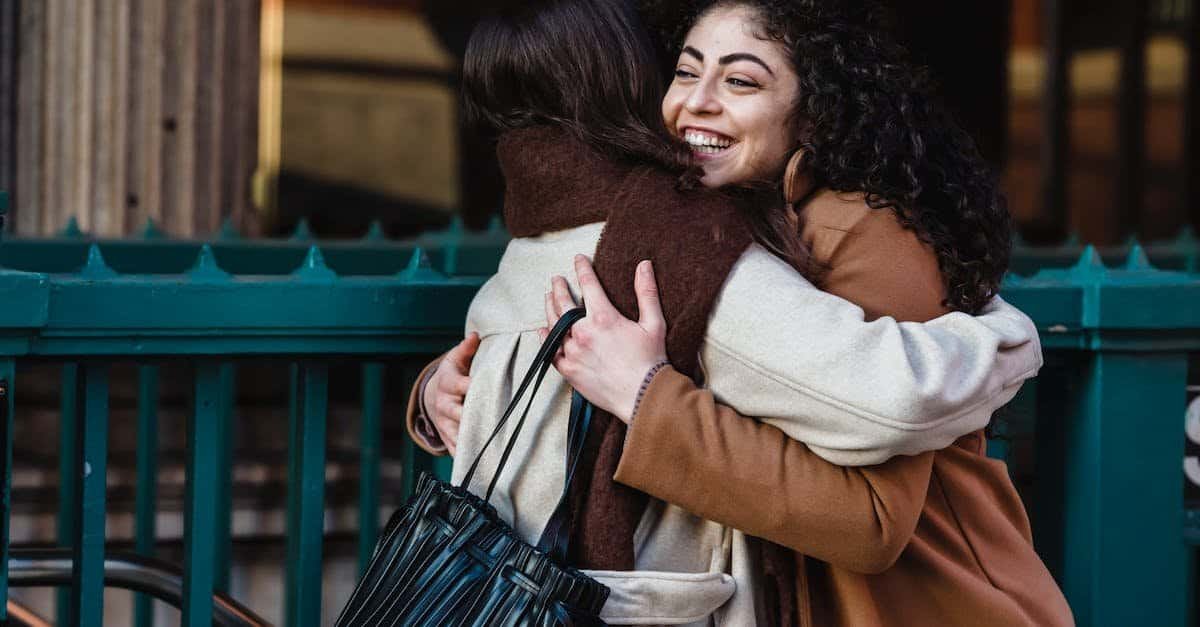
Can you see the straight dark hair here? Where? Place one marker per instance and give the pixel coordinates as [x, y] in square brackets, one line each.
[586, 66]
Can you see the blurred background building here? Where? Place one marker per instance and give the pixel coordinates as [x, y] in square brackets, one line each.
[343, 111]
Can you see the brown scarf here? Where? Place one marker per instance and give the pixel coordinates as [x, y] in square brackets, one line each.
[555, 182]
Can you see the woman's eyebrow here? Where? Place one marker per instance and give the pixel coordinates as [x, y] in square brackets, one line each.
[695, 53]
[744, 56]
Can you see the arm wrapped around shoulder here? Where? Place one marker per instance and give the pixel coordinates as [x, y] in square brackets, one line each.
[858, 392]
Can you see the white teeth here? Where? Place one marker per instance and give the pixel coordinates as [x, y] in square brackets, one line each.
[706, 144]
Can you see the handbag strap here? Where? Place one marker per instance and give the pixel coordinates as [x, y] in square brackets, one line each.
[534, 376]
[556, 535]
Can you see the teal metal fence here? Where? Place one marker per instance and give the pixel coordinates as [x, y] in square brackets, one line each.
[1107, 502]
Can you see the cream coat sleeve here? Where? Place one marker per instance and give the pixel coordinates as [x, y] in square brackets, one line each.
[857, 392]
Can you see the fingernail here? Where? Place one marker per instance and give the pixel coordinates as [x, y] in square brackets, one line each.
[644, 266]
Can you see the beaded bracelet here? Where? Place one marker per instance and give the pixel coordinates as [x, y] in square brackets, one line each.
[646, 385]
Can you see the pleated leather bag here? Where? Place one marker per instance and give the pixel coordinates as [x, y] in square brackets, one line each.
[447, 558]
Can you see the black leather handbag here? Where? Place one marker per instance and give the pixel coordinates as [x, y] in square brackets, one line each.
[446, 557]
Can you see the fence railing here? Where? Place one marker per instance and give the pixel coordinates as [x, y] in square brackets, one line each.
[1107, 502]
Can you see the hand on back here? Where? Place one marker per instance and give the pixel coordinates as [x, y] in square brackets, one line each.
[606, 356]
[447, 389]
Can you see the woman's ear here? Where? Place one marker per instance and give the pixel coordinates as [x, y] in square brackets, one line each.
[797, 179]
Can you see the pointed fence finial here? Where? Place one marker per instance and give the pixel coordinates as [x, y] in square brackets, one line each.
[95, 267]
[302, 233]
[1011, 279]
[1090, 264]
[457, 226]
[495, 225]
[314, 268]
[150, 230]
[228, 232]
[375, 232]
[1137, 259]
[1187, 237]
[206, 267]
[71, 230]
[419, 268]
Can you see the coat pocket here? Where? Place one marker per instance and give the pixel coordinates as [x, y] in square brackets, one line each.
[646, 597]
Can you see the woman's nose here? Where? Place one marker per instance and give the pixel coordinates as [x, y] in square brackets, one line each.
[702, 99]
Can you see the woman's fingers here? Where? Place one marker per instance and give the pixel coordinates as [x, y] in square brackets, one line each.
[594, 296]
[563, 300]
[650, 315]
[456, 385]
[461, 355]
[551, 313]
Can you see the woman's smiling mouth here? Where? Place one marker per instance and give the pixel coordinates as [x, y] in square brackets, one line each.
[706, 143]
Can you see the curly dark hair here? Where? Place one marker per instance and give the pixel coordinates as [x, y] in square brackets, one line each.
[872, 124]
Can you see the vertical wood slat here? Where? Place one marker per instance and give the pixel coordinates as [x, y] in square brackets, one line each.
[207, 136]
[53, 179]
[68, 475]
[146, 499]
[1131, 125]
[200, 512]
[306, 495]
[8, 94]
[91, 442]
[77, 201]
[8, 374]
[111, 59]
[1191, 119]
[144, 144]
[179, 130]
[28, 198]
[1055, 135]
[240, 141]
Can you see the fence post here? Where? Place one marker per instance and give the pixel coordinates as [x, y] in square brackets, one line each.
[306, 496]
[91, 450]
[200, 524]
[8, 373]
[146, 499]
[1123, 512]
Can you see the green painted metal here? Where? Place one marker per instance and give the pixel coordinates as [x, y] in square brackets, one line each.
[1123, 511]
[306, 496]
[200, 517]
[223, 536]
[146, 498]
[8, 379]
[369, 456]
[68, 475]
[87, 587]
[1116, 329]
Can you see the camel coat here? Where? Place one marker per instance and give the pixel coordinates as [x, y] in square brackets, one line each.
[863, 392]
[939, 538]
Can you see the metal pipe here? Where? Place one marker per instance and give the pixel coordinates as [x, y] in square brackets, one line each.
[52, 567]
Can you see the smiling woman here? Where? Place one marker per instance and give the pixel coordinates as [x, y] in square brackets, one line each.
[729, 103]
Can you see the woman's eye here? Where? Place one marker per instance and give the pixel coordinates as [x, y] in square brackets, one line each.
[681, 73]
[738, 82]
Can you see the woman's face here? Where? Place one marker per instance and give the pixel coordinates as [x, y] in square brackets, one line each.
[732, 99]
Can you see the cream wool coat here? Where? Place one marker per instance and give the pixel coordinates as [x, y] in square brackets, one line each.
[856, 392]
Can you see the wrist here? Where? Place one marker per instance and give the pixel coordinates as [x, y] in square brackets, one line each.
[428, 387]
[651, 372]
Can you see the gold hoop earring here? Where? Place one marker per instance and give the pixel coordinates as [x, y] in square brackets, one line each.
[797, 180]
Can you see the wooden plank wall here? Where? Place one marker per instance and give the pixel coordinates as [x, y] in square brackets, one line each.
[8, 100]
[135, 109]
